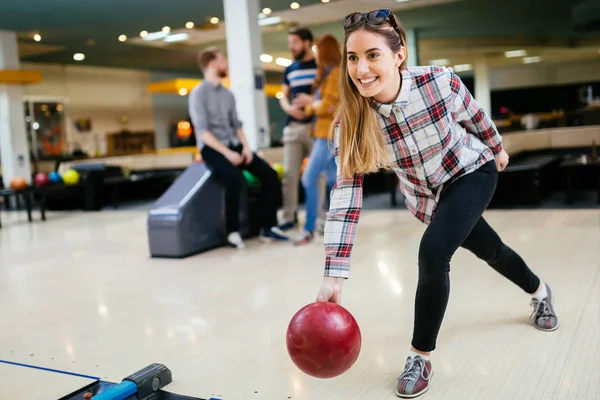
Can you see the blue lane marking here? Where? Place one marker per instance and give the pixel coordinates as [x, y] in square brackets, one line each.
[96, 378]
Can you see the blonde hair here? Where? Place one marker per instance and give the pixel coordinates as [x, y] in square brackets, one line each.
[361, 143]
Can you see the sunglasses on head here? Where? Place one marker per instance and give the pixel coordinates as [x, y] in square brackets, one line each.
[374, 17]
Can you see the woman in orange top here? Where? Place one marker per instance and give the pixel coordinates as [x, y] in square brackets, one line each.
[322, 105]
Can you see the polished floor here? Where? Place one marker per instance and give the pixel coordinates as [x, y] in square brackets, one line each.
[80, 293]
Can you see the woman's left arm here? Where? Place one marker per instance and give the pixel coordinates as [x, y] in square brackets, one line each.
[467, 112]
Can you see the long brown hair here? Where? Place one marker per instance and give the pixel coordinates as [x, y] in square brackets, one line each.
[329, 55]
[362, 147]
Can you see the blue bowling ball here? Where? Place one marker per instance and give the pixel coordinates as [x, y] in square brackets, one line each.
[55, 177]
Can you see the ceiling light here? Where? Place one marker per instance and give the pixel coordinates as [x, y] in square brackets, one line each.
[531, 60]
[155, 36]
[183, 91]
[266, 58]
[122, 38]
[214, 20]
[325, 1]
[189, 25]
[78, 56]
[284, 62]
[37, 37]
[179, 37]
[515, 53]
[266, 11]
[166, 29]
[143, 34]
[294, 6]
[440, 61]
[279, 95]
[463, 67]
[269, 21]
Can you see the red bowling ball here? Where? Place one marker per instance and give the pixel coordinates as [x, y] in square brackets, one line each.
[323, 340]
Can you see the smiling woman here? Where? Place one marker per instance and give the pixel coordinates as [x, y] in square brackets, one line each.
[423, 123]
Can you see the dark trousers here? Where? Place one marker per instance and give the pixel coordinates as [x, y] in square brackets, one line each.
[458, 222]
[233, 179]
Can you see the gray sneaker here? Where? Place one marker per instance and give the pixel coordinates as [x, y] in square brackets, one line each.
[543, 317]
[414, 381]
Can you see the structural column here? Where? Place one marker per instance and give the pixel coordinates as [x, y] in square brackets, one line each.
[14, 149]
[412, 41]
[483, 94]
[244, 47]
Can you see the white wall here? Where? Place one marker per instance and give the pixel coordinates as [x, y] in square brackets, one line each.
[101, 94]
[542, 74]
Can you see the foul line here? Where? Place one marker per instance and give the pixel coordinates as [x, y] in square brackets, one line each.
[50, 370]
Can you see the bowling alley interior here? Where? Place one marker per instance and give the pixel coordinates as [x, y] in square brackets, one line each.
[144, 256]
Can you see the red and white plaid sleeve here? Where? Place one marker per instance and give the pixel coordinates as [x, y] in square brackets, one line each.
[342, 220]
[471, 116]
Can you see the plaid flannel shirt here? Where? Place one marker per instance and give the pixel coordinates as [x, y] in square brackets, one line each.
[435, 133]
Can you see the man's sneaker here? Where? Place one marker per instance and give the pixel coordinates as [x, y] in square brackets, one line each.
[273, 234]
[304, 238]
[414, 381]
[235, 240]
[543, 316]
[286, 226]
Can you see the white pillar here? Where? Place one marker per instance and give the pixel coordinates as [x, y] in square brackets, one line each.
[412, 41]
[483, 94]
[244, 47]
[14, 150]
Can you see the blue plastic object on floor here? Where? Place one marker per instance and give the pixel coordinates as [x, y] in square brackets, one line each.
[118, 392]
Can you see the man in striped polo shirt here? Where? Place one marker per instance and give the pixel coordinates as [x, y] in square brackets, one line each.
[297, 143]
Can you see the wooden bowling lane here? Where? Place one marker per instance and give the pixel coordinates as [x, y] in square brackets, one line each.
[18, 382]
[81, 293]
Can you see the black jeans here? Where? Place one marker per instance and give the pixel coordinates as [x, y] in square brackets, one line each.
[458, 222]
[233, 179]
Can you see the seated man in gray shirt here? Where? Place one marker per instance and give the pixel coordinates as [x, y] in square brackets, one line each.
[225, 150]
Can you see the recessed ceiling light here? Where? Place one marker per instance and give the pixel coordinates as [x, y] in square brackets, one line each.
[266, 11]
[440, 61]
[515, 53]
[284, 62]
[294, 6]
[122, 38]
[269, 21]
[143, 33]
[189, 25]
[325, 1]
[531, 60]
[37, 37]
[166, 29]
[214, 20]
[183, 91]
[463, 67]
[78, 56]
[266, 58]
[177, 38]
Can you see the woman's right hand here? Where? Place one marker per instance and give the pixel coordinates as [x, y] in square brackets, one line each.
[331, 289]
